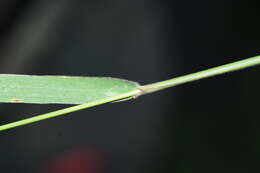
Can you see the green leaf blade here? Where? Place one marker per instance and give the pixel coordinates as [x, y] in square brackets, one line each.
[60, 89]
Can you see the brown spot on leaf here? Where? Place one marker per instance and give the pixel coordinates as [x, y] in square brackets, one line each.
[16, 100]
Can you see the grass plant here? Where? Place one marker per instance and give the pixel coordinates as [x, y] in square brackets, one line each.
[88, 92]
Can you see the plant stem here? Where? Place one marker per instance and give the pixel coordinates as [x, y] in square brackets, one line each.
[68, 110]
[145, 89]
[154, 87]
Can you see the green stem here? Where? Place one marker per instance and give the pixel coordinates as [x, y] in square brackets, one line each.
[154, 87]
[68, 110]
[145, 89]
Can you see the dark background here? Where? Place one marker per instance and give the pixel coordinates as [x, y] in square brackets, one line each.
[205, 126]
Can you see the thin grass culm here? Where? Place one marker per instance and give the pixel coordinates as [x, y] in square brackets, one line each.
[137, 90]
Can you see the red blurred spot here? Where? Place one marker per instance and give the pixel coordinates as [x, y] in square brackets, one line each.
[79, 161]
